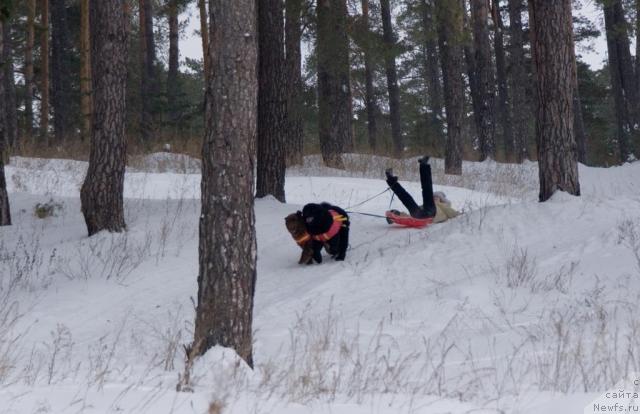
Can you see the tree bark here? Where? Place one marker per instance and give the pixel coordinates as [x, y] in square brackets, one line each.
[501, 76]
[204, 33]
[28, 70]
[471, 66]
[518, 81]
[450, 23]
[432, 72]
[370, 98]
[334, 87]
[272, 105]
[85, 71]
[101, 194]
[174, 61]
[60, 79]
[621, 73]
[392, 78]
[11, 113]
[147, 77]
[555, 69]
[578, 126]
[485, 78]
[227, 251]
[5, 214]
[293, 63]
[44, 72]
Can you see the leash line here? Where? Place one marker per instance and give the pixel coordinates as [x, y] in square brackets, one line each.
[369, 199]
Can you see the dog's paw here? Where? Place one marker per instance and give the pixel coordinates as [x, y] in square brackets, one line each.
[339, 258]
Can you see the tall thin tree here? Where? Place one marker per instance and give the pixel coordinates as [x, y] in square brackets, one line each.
[227, 253]
[272, 107]
[389, 39]
[434, 88]
[29, 85]
[101, 194]
[370, 99]
[85, 71]
[484, 77]
[44, 71]
[450, 23]
[147, 77]
[204, 34]
[5, 214]
[60, 69]
[334, 85]
[173, 87]
[504, 111]
[293, 62]
[554, 60]
[518, 80]
[10, 112]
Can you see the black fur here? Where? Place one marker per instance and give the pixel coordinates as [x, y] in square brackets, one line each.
[318, 220]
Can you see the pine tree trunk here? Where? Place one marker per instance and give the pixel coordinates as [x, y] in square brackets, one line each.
[5, 214]
[295, 99]
[501, 76]
[624, 119]
[471, 66]
[485, 78]
[518, 81]
[638, 47]
[392, 78]
[60, 80]
[334, 89]
[227, 277]
[101, 194]
[554, 60]
[272, 105]
[85, 71]
[147, 77]
[578, 126]
[28, 70]
[204, 33]
[432, 72]
[450, 25]
[11, 113]
[174, 61]
[370, 99]
[44, 73]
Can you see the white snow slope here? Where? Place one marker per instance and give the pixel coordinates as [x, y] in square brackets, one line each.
[514, 307]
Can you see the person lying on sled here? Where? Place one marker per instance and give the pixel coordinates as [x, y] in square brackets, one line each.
[435, 205]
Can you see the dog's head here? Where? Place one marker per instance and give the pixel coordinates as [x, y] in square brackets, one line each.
[317, 218]
[295, 223]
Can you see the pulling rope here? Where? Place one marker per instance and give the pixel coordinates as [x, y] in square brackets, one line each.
[348, 209]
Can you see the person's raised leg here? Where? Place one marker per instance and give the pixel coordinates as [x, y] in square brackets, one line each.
[402, 194]
[428, 205]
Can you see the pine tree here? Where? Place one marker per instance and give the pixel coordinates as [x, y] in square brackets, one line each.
[504, 111]
[44, 71]
[5, 214]
[334, 85]
[174, 61]
[272, 107]
[370, 99]
[518, 81]
[293, 62]
[29, 84]
[431, 59]
[204, 33]
[60, 79]
[85, 71]
[554, 61]
[450, 21]
[227, 275]
[10, 112]
[484, 78]
[147, 78]
[392, 78]
[101, 194]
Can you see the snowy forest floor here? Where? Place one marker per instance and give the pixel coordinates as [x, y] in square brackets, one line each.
[515, 306]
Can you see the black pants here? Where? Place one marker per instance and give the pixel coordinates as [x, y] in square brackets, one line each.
[428, 208]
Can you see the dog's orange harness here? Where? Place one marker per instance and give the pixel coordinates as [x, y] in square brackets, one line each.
[338, 222]
[302, 240]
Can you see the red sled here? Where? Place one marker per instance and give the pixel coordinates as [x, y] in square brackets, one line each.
[405, 220]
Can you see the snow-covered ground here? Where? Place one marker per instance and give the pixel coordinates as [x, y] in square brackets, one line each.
[514, 307]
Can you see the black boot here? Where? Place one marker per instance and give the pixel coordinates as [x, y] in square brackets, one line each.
[391, 179]
[424, 160]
